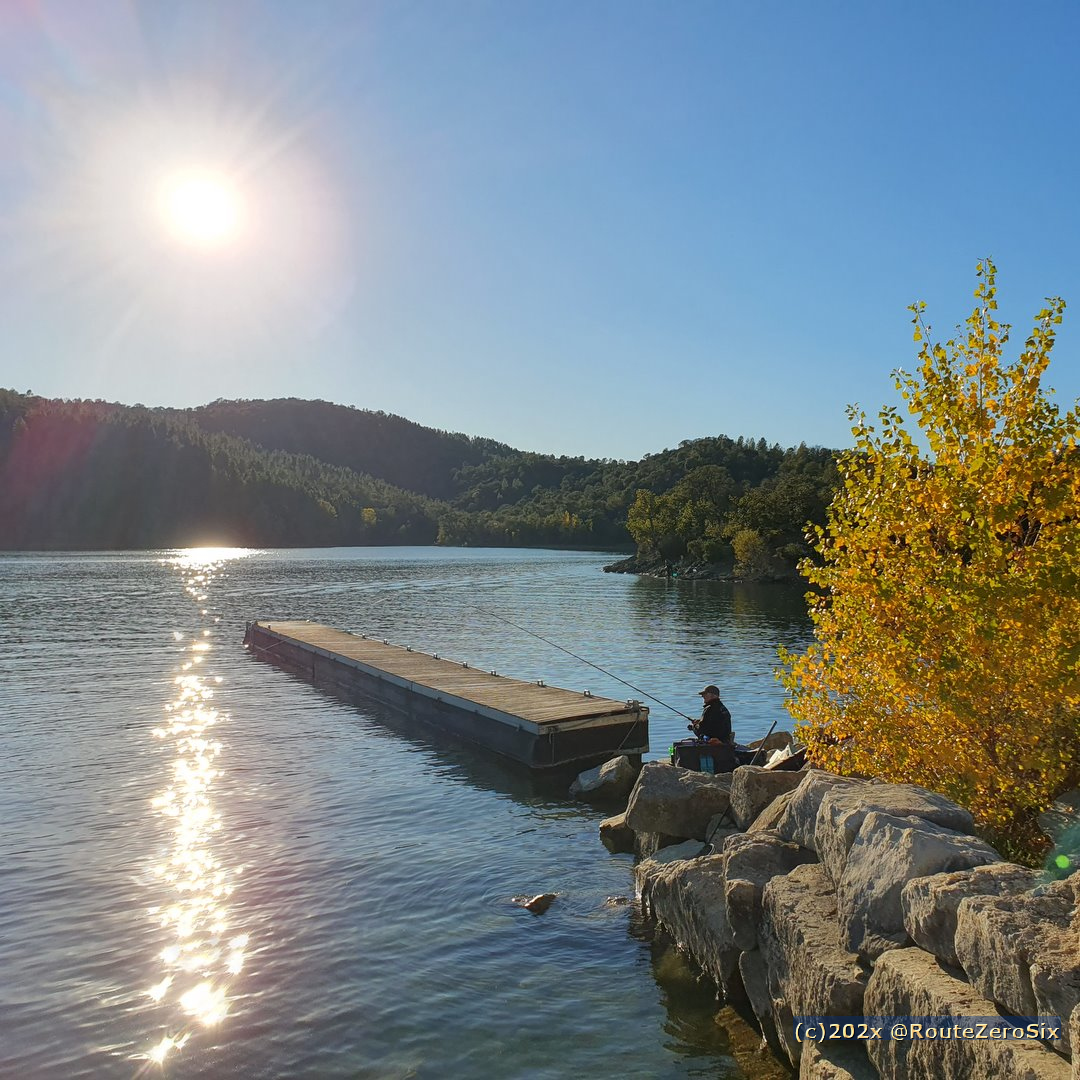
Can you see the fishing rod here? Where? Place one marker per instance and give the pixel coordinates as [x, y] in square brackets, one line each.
[707, 847]
[569, 652]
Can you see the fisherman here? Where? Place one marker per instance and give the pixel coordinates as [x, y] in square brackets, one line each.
[715, 721]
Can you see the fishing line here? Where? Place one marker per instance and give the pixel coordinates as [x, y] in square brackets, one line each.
[554, 645]
[569, 652]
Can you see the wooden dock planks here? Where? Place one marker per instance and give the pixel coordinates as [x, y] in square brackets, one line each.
[540, 705]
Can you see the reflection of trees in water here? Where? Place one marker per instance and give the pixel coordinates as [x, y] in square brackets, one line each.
[777, 610]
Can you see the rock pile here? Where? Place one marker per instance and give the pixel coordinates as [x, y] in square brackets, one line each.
[808, 894]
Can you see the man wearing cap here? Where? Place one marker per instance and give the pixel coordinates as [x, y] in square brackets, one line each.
[715, 722]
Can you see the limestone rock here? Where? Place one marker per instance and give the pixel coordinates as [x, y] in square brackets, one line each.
[930, 903]
[888, 852]
[679, 802]
[616, 835]
[687, 898]
[1074, 1039]
[753, 787]
[751, 861]
[537, 905]
[767, 820]
[798, 822]
[842, 811]
[646, 845]
[1062, 815]
[836, 1061]
[755, 979]
[611, 782]
[648, 868]
[910, 982]
[810, 971]
[1023, 951]
[718, 830]
[778, 740]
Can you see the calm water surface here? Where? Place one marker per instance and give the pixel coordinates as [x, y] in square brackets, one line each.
[209, 868]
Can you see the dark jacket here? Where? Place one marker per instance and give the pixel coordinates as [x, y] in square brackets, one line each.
[715, 722]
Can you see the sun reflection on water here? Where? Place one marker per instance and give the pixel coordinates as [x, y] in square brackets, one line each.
[205, 952]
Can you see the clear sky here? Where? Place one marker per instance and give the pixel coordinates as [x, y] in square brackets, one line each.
[579, 227]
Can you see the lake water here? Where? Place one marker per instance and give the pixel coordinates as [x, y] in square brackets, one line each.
[209, 868]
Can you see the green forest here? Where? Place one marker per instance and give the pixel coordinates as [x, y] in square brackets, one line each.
[292, 473]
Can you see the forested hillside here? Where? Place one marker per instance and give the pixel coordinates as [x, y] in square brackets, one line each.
[78, 474]
[98, 476]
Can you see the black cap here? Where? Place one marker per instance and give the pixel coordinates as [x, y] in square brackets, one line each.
[710, 689]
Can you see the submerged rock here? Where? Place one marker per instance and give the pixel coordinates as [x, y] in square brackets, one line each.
[836, 1061]
[536, 904]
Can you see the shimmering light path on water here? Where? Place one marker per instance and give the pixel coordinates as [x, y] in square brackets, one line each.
[214, 869]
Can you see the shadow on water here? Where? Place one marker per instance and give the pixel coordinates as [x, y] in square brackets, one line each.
[456, 758]
[698, 1026]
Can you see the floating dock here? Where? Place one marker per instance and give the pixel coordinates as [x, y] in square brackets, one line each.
[543, 727]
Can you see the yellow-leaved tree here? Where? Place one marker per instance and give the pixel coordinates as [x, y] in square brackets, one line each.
[947, 620]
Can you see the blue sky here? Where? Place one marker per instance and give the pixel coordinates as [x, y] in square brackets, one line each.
[586, 228]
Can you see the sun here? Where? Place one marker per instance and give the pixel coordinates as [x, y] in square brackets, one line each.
[201, 208]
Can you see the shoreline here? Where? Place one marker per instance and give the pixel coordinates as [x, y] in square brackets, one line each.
[656, 566]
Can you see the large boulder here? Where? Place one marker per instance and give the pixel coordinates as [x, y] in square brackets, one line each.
[842, 810]
[687, 898]
[1023, 951]
[836, 1061]
[754, 973]
[887, 853]
[611, 782]
[810, 971]
[616, 835]
[753, 787]
[778, 740]
[767, 820]
[1062, 816]
[647, 844]
[678, 802]
[751, 861]
[717, 832]
[910, 982]
[799, 821]
[1074, 1040]
[647, 869]
[930, 903]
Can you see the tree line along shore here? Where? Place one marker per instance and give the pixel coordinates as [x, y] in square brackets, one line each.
[289, 473]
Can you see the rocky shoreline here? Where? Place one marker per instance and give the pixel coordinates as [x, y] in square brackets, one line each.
[806, 894]
[658, 567]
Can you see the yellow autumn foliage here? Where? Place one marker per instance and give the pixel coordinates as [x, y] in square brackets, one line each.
[947, 608]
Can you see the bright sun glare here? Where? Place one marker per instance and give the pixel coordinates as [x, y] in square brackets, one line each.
[200, 208]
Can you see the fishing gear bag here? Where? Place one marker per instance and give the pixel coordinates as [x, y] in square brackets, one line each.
[704, 757]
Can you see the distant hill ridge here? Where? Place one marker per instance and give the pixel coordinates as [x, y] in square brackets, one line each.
[288, 472]
[399, 451]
